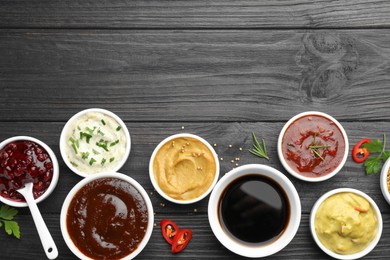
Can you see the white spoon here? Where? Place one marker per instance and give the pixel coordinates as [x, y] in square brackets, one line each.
[46, 239]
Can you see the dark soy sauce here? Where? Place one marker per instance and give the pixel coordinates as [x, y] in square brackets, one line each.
[254, 210]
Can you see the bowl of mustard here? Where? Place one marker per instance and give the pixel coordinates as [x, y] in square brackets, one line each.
[346, 223]
[184, 168]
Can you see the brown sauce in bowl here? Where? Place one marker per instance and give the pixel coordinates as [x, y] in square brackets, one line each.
[254, 210]
[107, 219]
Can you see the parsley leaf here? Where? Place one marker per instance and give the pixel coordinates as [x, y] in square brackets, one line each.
[374, 163]
[7, 213]
[6, 217]
[374, 147]
[11, 227]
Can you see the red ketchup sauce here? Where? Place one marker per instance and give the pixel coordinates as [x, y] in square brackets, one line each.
[22, 162]
[107, 219]
[300, 140]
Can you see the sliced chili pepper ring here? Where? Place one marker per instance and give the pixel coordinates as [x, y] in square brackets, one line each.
[181, 240]
[169, 230]
[360, 154]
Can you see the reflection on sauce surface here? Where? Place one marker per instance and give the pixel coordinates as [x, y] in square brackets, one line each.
[254, 210]
[107, 219]
[313, 146]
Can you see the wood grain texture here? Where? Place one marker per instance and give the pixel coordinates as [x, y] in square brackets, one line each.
[203, 245]
[194, 14]
[149, 76]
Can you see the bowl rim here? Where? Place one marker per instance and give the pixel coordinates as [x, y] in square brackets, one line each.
[296, 174]
[55, 176]
[383, 180]
[157, 187]
[289, 232]
[366, 250]
[87, 180]
[75, 117]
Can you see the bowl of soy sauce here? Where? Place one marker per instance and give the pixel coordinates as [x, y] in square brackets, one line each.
[254, 210]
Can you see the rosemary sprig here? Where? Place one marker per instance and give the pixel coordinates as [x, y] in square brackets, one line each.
[314, 147]
[259, 150]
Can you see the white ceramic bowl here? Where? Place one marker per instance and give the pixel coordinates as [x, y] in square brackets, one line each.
[360, 254]
[87, 180]
[53, 158]
[296, 174]
[63, 141]
[383, 181]
[157, 187]
[290, 230]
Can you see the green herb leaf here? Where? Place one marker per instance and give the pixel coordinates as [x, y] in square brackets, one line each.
[374, 147]
[112, 159]
[84, 155]
[6, 216]
[95, 152]
[373, 165]
[118, 128]
[100, 132]
[386, 155]
[104, 123]
[102, 144]
[74, 148]
[90, 131]
[103, 161]
[258, 150]
[92, 161]
[7, 213]
[114, 143]
[11, 227]
[87, 136]
[74, 164]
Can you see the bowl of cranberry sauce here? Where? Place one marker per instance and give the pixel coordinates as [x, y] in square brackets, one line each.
[26, 159]
[313, 146]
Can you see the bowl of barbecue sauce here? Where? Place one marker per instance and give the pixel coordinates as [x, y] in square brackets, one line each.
[107, 216]
[254, 210]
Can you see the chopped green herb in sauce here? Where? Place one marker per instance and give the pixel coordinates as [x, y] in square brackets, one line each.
[74, 164]
[114, 143]
[100, 133]
[92, 161]
[84, 155]
[103, 161]
[102, 144]
[74, 148]
[118, 128]
[87, 136]
[104, 123]
[112, 159]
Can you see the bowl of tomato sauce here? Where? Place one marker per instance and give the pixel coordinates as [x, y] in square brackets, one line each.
[313, 146]
[26, 159]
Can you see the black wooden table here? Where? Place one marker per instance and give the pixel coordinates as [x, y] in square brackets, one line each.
[220, 69]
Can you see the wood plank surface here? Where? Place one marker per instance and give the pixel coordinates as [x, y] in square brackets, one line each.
[145, 136]
[194, 14]
[182, 76]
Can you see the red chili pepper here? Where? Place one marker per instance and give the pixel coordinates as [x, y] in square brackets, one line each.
[181, 240]
[360, 154]
[169, 230]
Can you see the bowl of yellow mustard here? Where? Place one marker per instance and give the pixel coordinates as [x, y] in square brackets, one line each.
[346, 223]
[184, 168]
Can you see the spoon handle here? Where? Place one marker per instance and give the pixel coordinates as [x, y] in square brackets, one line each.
[46, 239]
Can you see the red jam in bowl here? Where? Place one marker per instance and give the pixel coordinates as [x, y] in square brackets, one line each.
[22, 162]
[313, 146]
[107, 219]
